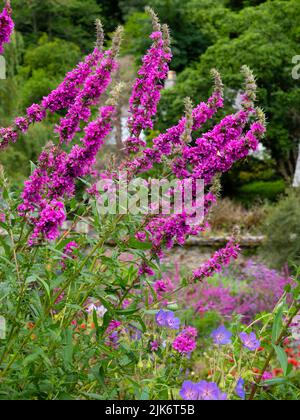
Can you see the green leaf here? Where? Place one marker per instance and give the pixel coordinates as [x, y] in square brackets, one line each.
[68, 347]
[99, 374]
[277, 326]
[282, 358]
[32, 167]
[42, 281]
[5, 246]
[135, 244]
[275, 381]
[95, 320]
[141, 322]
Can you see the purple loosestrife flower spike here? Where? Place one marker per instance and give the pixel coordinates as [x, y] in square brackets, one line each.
[55, 176]
[220, 259]
[189, 391]
[250, 88]
[186, 136]
[100, 35]
[155, 19]
[146, 90]
[164, 144]
[240, 389]
[60, 98]
[6, 25]
[94, 86]
[221, 336]
[250, 341]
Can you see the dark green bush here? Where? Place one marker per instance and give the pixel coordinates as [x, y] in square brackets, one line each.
[261, 191]
[282, 228]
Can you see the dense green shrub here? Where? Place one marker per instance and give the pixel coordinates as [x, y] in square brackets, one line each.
[282, 228]
[261, 190]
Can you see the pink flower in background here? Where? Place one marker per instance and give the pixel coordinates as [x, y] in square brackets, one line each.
[144, 269]
[262, 289]
[216, 298]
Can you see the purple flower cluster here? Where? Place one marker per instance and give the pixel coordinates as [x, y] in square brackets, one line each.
[63, 96]
[162, 287]
[59, 99]
[186, 342]
[144, 269]
[95, 85]
[167, 319]
[146, 90]
[262, 288]
[51, 218]
[220, 259]
[205, 391]
[256, 289]
[57, 171]
[154, 345]
[6, 26]
[214, 153]
[168, 143]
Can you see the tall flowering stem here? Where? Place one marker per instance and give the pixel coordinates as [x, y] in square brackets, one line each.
[94, 86]
[218, 261]
[147, 87]
[60, 98]
[6, 25]
[56, 174]
[215, 153]
[165, 144]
